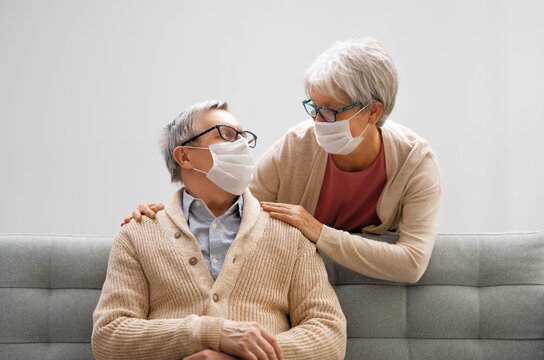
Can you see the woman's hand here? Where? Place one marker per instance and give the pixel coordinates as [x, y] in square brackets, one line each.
[297, 216]
[148, 210]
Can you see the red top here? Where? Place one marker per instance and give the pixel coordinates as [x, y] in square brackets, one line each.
[348, 200]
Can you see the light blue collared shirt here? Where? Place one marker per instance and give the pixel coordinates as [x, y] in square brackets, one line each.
[214, 235]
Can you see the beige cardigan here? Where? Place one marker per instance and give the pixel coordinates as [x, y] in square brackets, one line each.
[292, 171]
[159, 300]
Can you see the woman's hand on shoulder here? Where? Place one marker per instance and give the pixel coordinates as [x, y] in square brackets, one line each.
[148, 210]
[297, 216]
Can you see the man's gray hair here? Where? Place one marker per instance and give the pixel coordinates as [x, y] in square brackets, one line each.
[182, 129]
[360, 69]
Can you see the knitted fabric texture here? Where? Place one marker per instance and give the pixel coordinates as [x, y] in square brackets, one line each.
[159, 299]
[292, 171]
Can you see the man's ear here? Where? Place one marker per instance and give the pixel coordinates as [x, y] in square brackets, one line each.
[180, 155]
[375, 112]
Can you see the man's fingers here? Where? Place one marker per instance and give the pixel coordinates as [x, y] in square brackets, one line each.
[247, 353]
[224, 356]
[273, 342]
[267, 350]
[195, 356]
[207, 354]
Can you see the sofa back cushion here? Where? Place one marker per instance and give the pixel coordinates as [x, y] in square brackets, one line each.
[482, 297]
[49, 287]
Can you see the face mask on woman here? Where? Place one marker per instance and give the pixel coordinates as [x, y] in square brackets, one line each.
[335, 137]
[232, 168]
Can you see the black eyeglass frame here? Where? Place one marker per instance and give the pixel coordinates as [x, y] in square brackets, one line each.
[252, 144]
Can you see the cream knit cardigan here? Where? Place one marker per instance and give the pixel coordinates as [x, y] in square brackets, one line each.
[159, 300]
[292, 171]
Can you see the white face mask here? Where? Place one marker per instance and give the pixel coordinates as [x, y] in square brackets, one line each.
[232, 168]
[336, 137]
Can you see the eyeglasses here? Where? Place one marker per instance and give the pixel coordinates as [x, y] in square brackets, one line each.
[228, 133]
[329, 115]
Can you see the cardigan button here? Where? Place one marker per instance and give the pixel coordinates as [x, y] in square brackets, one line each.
[215, 297]
[193, 260]
[177, 235]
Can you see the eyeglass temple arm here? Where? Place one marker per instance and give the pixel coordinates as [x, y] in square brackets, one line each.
[202, 133]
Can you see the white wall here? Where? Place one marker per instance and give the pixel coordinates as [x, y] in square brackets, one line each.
[86, 86]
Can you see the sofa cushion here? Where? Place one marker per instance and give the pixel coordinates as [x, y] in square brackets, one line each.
[49, 287]
[482, 297]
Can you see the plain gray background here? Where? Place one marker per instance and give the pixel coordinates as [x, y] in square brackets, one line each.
[86, 87]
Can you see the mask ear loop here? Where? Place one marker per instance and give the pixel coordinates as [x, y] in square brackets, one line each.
[195, 147]
[198, 148]
[366, 127]
[364, 107]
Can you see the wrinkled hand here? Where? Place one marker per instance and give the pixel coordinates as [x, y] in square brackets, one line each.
[297, 216]
[148, 210]
[209, 355]
[249, 341]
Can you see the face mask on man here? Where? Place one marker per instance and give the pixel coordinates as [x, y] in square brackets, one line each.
[335, 137]
[232, 168]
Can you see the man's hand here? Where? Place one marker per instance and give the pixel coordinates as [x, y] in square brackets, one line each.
[249, 341]
[148, 210]
[297, 216]
[209, 355]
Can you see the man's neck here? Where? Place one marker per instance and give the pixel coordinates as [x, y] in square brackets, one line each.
[218, 202]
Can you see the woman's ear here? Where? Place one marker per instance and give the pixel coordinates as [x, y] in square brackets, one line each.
[180, 155]
[375, 112]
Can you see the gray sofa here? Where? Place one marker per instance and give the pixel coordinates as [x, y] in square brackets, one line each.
[482, 297]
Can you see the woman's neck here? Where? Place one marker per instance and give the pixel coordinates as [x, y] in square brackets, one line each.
[364, 155]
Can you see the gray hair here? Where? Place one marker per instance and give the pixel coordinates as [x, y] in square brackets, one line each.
[360, 69]
[182, 129]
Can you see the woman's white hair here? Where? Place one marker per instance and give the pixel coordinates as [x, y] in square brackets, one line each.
[362, 70]
[182, 129]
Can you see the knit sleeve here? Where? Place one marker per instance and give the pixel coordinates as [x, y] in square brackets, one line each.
[407, 259]
[121, 329]
[318, 324]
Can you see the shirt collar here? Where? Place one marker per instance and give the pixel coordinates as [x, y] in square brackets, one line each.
[188, 201]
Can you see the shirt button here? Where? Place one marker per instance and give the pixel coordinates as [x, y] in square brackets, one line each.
[197, 203]
[214, 260]
[177, 235]
[214, 226]
[215, 297]
[193, 260]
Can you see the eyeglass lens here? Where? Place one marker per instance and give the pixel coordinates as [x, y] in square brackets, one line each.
[230, 134]
[326, 114]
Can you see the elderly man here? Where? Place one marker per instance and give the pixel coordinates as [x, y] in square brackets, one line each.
[213, 276]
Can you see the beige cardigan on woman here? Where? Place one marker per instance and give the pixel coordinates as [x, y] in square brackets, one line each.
[292, 171]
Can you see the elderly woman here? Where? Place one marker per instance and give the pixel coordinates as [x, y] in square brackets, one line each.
[347, 171]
